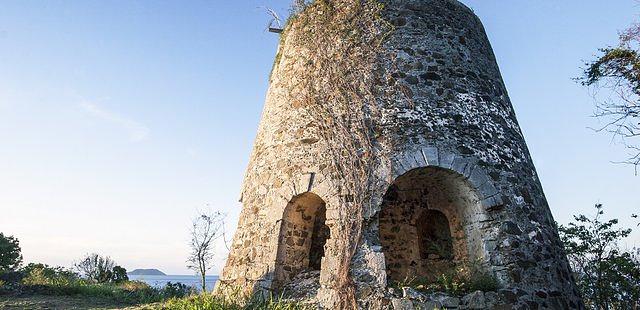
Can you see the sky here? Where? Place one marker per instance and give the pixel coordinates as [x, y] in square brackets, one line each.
[121, 120]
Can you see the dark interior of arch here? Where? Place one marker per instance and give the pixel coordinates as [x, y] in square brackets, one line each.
[303, 235]
[434, 236]
[422, 223]
[318, 239]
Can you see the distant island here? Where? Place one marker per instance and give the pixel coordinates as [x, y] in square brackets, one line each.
[146, 272]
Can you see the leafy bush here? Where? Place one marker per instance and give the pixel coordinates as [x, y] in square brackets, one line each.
[41, 274]
[101, 269]
[458, 281]
[608, 278]
[46, 280]
[484, 282]
[95, 267]
[119, 275]
[133, 285]
[10, 256]
[11, 279]
[176, 290]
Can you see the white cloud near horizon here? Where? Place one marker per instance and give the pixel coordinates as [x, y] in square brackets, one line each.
[137, 131]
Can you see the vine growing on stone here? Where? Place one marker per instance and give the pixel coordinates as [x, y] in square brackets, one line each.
[340, 42]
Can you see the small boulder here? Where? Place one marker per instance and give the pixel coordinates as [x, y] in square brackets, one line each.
[475, 300]
[402, 304]
[511, 228]
[508, 296]
[427, 305]
[450, 302]
[411, 293]
[491, 299]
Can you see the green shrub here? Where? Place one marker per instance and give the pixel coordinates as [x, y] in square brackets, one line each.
[11, 279]
[10, 253]
[607, 275]
[484, 282]
[46, 280]
[119, 275]
[208, 301]
[41, 274]
[101, 269]
[458, 280]
[176, 290]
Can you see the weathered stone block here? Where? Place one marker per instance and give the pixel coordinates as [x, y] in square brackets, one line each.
[475, 300]
[430, 155]
[402, 304]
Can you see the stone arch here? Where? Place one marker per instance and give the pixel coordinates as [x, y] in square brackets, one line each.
[467, 167]
[303, 235]
[430, 221]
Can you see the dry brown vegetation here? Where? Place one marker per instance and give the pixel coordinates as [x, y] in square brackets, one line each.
[340, 42]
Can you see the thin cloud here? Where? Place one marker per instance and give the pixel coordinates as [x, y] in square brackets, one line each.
[137, 131]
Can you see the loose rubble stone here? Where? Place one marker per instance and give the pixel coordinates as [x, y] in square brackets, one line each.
[450, 302]
[475, 300]
[430, 305]
[491, 299]
[402, 304]
[305, 285]
[410, 293]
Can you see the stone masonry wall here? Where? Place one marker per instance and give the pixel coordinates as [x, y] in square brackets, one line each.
[452, 114]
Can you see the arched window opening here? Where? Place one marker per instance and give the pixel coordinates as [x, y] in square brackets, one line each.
[434, 236]
[429, 222]
[303, 235]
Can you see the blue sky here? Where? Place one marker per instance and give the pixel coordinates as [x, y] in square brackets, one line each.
[119, 120]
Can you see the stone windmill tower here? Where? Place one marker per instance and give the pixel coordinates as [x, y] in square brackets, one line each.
[388, 151]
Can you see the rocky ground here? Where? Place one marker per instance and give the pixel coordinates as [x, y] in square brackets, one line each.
[409, 299]
[304, 287]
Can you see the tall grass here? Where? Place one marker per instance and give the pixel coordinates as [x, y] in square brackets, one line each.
[40, 279]
[45, 280]
[208, 301]
[128, 292]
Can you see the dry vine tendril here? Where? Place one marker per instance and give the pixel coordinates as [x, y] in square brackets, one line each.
[340, 43]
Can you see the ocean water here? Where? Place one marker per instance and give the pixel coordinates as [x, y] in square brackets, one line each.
[189, 280]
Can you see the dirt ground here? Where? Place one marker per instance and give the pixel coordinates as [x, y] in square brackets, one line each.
[60, 302]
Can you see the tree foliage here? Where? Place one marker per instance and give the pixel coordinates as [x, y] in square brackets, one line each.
[10, 253]
[608, 277]
[617, 70]
[205, 229]
[100, 269]
[119, 274]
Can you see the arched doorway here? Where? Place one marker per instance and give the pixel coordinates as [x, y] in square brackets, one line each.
[303, 234]
[429, 223]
